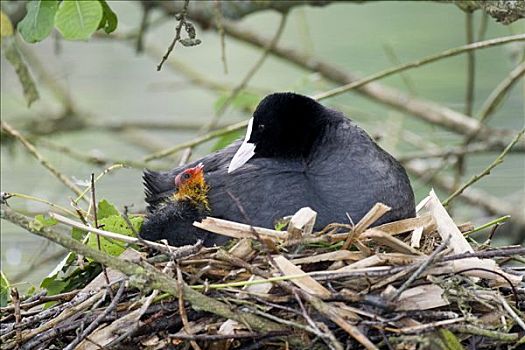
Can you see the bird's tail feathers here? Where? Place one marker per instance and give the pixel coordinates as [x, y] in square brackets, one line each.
[156, 188]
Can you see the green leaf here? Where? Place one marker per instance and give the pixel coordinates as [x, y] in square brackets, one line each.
[46, 222]
[31, 290]
[450, 341]
[105, 209]
[78, 234]
[39, 20]
[6, 27]
[40, 222]
[53, 285]
[108, 246]
[115, 224]
[78, 19]
[4, 289]
[70, 276]
[281, 224]
[15, 58]
[109, 18]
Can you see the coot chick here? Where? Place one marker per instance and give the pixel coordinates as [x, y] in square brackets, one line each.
[173, 219]
[297, 153]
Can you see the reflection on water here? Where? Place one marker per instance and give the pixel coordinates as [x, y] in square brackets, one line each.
[107, 80]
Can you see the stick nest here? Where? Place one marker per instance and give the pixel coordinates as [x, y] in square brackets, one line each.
[413, 284]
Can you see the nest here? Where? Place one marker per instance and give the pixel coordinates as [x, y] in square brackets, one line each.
[412, 284]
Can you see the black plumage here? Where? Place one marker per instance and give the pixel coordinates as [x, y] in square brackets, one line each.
[173, 220]
[305, 155]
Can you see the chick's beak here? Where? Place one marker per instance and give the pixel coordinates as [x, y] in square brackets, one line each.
[178, 180]
[245, 152]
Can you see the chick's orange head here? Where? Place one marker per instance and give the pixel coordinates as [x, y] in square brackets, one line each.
[190, 179]
[192, 186]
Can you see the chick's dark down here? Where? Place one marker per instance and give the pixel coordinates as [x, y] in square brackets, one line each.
[174, 221]
[305, 155]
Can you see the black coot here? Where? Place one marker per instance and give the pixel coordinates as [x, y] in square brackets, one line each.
[296, 153]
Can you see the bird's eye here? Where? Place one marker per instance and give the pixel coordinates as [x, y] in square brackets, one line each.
[261, 127]
[185, 176]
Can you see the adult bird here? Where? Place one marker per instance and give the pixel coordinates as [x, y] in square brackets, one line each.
[296, 153]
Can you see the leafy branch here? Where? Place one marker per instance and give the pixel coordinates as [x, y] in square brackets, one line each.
[144, 276]
[74, 19]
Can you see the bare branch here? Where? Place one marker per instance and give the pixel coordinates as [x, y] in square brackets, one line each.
[475, 197]
[45, 163]
[487, 170]
[429, 59]
[492, 102]
[196, 141]
[424, 109]
[182, 18]
[249, 75]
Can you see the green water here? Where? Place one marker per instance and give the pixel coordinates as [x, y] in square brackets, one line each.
[109, 81]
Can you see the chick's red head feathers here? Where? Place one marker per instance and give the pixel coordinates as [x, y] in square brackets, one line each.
[192, 186]
[190, 177]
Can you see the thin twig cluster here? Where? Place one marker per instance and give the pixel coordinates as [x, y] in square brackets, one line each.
[411, 283]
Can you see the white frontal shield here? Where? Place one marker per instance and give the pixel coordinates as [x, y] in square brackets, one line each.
[245, 152]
